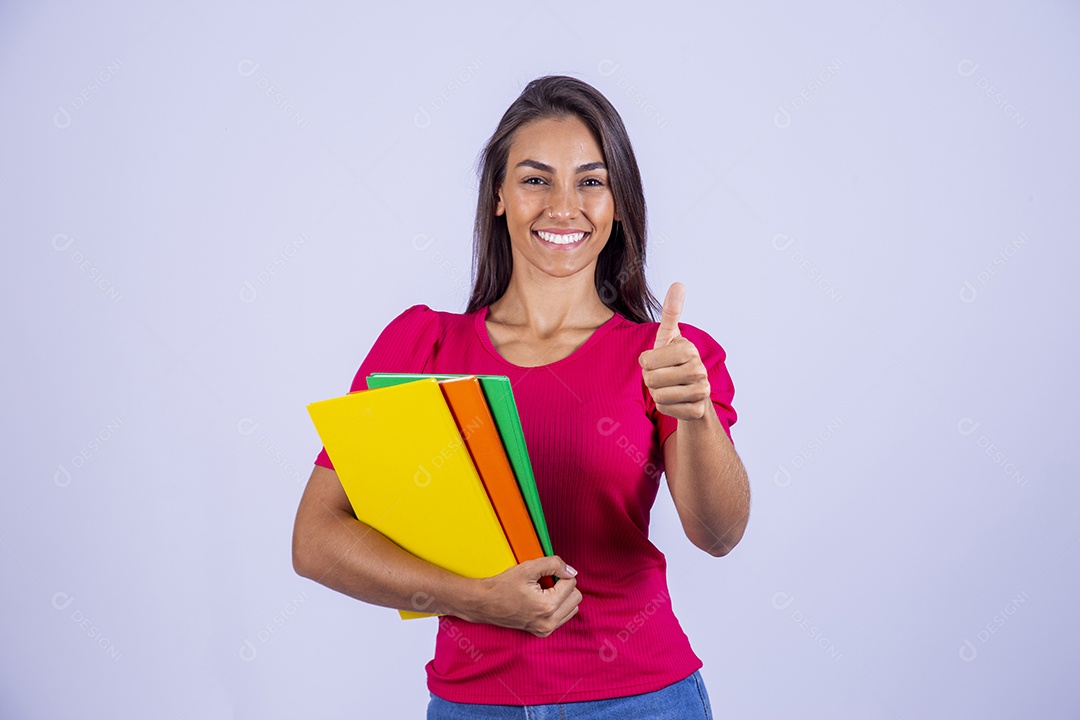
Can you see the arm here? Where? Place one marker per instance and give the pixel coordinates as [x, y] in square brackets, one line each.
[332, 547]
[708, 483]
[707, 480]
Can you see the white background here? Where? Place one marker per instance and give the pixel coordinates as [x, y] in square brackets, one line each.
[210, 213]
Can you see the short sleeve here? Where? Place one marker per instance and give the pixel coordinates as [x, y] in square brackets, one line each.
[721, 387]
[406, 345]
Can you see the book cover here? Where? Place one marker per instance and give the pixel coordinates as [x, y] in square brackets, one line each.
[477, 427]
[500, 398]
[408, 473]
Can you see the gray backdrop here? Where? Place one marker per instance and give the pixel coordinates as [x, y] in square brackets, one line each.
[211, 212]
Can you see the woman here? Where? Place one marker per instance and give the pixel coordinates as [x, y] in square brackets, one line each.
[608, 399]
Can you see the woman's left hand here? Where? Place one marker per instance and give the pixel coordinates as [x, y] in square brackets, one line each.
[672, 370]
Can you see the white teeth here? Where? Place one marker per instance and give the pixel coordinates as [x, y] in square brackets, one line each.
[561, 239]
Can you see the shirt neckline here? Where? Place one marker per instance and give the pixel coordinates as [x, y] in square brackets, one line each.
[485, 339]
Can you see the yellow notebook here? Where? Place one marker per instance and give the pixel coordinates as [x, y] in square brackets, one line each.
[408, 474]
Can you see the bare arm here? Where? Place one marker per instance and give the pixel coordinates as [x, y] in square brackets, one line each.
[332, 547]
[705, 475]
[708, 483]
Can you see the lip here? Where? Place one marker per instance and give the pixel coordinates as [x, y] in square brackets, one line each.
[561, 231]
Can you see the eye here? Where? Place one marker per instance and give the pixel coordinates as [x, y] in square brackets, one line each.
[533, 181]
[593, 182]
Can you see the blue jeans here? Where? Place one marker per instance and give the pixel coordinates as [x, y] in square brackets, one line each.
[684, 700]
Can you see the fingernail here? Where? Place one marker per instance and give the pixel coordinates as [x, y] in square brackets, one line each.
[571, 570]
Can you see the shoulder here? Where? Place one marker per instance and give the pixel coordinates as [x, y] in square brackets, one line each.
[416, 323]
[419, 313]
[644, 335]
[406, 344]
[708, 347]
[417, 317]
[420, 320]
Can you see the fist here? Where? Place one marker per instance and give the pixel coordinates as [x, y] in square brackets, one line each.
[672, 370]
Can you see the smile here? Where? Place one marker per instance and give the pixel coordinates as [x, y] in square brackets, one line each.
[561, 238]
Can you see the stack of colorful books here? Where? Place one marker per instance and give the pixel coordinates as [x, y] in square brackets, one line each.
[438, 464]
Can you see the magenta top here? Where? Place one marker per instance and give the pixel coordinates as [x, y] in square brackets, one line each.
[594, 438]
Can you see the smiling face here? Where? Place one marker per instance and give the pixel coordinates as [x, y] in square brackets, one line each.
[559, 208]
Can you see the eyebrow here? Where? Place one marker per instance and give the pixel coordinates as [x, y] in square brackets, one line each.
[548, 169]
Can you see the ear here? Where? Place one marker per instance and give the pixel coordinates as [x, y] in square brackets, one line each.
[500, 208]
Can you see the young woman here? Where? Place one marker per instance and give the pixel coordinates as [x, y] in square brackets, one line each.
[609, 401]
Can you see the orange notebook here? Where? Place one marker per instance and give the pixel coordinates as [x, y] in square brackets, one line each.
[474, 420]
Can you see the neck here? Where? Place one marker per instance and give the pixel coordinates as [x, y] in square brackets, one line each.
[552, 305]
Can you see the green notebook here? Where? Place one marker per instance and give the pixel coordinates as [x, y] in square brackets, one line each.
[500, 398]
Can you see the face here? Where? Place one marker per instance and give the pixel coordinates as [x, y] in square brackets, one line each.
[556, 199]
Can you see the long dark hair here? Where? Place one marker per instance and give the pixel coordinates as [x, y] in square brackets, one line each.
[620, 268]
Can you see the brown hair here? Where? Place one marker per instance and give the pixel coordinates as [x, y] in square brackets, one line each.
[620, 268]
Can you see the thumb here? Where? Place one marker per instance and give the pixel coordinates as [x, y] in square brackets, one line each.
[547, 566]
[670, 314]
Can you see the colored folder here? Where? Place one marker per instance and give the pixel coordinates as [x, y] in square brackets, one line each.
[477, 427]
[500, 399]
[407, 473]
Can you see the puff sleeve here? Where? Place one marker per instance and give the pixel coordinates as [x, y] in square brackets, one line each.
[721, 387]
[406, 345]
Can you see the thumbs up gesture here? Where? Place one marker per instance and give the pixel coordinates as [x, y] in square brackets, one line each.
[672, 370]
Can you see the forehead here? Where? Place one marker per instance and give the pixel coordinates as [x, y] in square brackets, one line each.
[553, 139]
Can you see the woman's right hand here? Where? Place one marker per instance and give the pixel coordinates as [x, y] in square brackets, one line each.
[332, 547]
[515, 599]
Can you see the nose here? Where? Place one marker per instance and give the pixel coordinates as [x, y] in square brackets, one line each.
[564, 203]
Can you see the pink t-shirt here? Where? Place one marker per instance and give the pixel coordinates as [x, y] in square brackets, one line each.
[594, 438]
